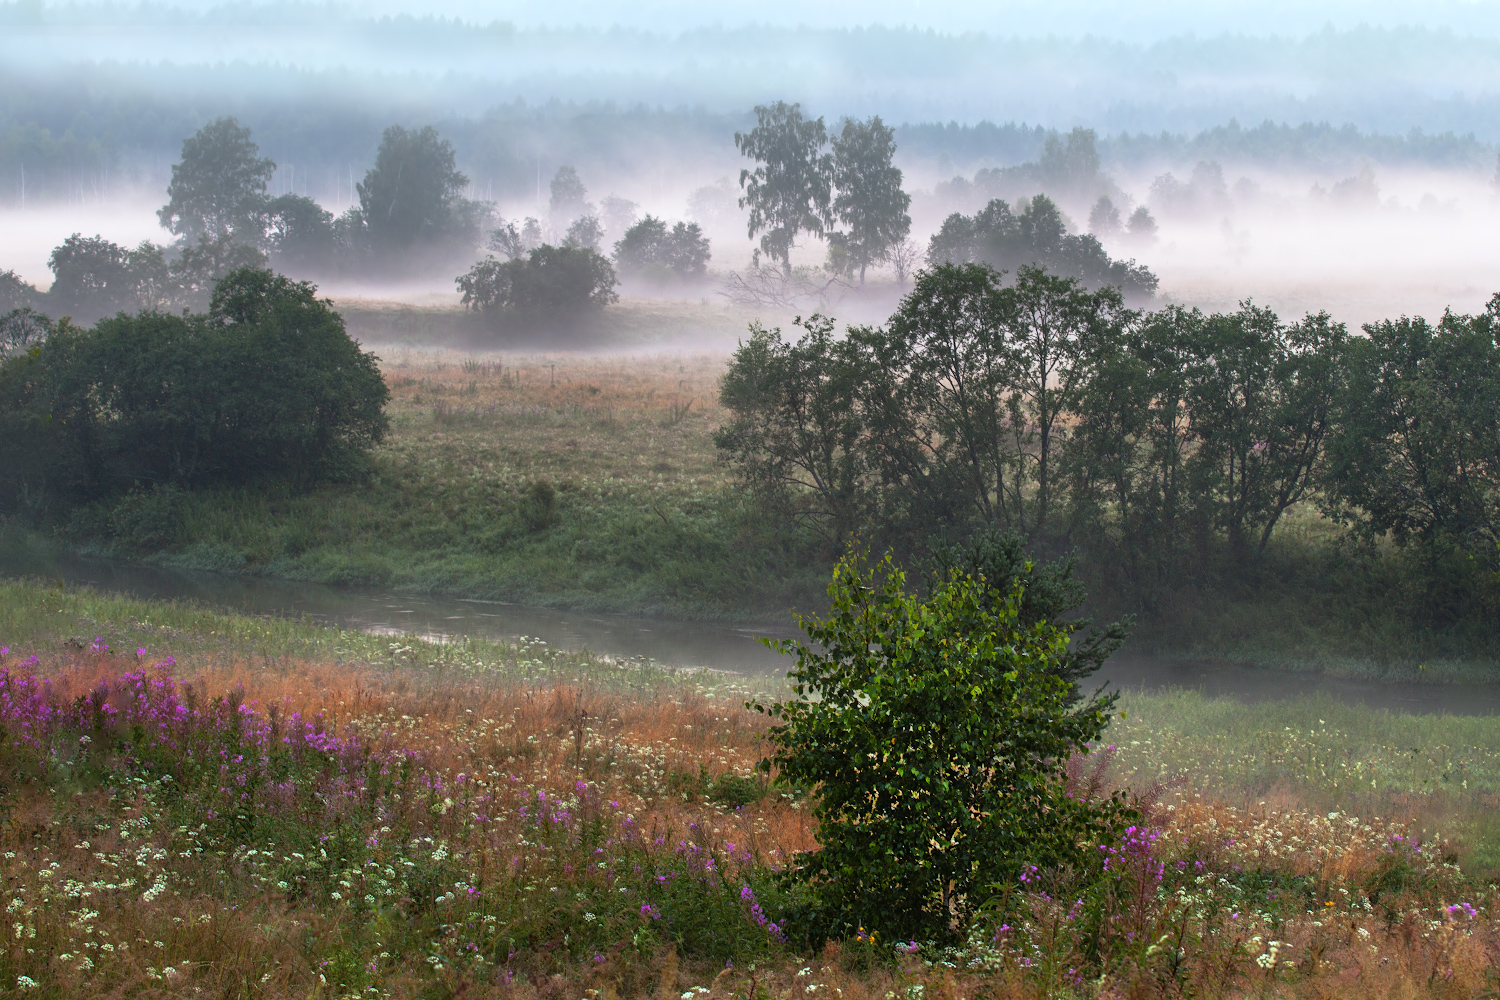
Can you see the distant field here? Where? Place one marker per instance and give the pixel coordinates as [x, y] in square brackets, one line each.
[705, 323]
[547, 479]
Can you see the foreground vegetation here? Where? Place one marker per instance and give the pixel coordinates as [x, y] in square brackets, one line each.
[259, 808]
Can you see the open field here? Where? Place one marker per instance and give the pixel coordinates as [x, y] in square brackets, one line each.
[543, 479]
[208, 804]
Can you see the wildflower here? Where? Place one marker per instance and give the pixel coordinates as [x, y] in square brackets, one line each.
[23, 982]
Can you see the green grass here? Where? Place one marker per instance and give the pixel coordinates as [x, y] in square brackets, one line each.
[1442, 772]
[641, 516]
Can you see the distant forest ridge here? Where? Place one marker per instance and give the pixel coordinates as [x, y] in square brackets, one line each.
[70, 140]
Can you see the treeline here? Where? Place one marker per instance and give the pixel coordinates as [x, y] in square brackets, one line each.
[1159, 444]
[264, 386]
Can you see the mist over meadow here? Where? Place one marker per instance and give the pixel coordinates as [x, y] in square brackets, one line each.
[1280, 105]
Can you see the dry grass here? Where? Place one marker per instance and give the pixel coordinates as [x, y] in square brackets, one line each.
[638, 419]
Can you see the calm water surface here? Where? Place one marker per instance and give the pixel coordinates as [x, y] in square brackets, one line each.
[720, 647]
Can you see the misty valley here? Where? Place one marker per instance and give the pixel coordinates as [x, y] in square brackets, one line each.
[613, 504]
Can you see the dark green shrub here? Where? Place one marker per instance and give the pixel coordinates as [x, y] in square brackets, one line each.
[935, 734]
[549, 284]
[267, 384]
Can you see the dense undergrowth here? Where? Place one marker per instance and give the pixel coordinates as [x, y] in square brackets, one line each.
[208, 804]
[594, 483]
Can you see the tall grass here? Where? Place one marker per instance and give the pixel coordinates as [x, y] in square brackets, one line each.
[283, 810]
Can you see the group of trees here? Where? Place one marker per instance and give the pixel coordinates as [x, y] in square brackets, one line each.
[526, 280]
[1037, 235]
[799, 188]
[265, 384]
[1153, 440]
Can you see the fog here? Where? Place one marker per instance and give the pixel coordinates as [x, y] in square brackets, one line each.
[644, 101]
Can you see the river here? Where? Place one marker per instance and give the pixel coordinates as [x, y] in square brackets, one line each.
[716, 646]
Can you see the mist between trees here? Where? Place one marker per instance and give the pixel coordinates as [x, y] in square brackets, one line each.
[1164, 446]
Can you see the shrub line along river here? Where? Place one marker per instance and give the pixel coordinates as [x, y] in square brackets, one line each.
[691, 644]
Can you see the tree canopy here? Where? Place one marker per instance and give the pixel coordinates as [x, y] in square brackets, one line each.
[934, 735]
[549, 284]
[413, 193]
[869, 200]
[789, 192]
[218, 187]
[650, 249]
[267, 383]
[1039, 236]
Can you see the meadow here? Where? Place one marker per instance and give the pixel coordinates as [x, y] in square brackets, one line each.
[207, 804]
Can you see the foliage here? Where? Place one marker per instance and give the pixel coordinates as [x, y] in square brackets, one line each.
[548, 284]
[93, 277]
[948, 415]
[585, 232]
[649, 248]
[413, 193]
[869, 199]
[796, 434]
[934, 735]
[1037, 236]
[267, 384]
[218, 187]
[1416, 451]
[22, 330]
[568, 198]
[300, 235]
[15, 293]
[1049, 593]
[790, 192]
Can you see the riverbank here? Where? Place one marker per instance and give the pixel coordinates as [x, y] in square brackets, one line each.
[591, 483]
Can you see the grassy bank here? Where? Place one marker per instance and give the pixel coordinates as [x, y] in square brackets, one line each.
[592, 482]
[251, 808]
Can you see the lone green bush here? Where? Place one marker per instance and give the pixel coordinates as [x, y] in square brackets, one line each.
[934, 734]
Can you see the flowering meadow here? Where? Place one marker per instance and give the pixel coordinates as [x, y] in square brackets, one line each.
[377, 817]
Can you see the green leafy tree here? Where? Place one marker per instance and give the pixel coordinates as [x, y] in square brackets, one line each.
[1049, 593]
[413, 193]
[267, 384]
[869, 202]
[300, 235]
[1128, 451]
[201, 266]
[218, 188]
[16, 292]
[934, 735]
[796, 435]
[1416, 450]
[976, 379]
[935, 399]
[21, 330]
[569, 198]
[94, 277]
[789, 193]
[650, 249]
[1260, 398]
[1069, 165]
[1038, 236]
